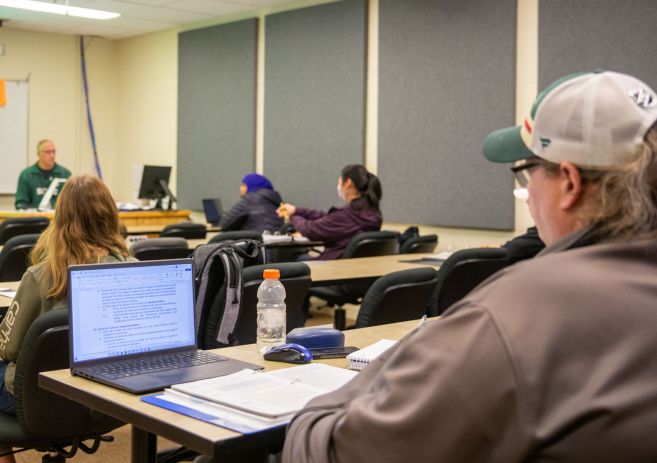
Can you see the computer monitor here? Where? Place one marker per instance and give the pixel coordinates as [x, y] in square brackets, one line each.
[155, 185]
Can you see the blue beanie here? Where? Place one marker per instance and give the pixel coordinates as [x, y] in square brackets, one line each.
[255, 182]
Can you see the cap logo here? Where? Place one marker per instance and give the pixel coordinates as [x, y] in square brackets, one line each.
[643, 98]
[545, 142]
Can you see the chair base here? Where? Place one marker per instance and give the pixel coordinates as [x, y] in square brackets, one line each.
[339, 319]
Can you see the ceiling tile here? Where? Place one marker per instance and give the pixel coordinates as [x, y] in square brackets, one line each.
[208, 7]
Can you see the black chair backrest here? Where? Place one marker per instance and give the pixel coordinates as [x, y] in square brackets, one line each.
[22, 226]
[295, 276]
[398, 296]
[462, 272]
[14, 256]
[44, 415]
[419, 244]
[369, 244]
[189, 230]
[161, 248]
[236, 235]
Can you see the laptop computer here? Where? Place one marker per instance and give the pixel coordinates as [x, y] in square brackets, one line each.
[132, 326]
[213, 210]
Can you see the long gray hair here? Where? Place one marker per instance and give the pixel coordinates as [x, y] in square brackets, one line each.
[628, 195]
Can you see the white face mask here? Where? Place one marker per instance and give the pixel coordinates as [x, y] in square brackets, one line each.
[341, 194]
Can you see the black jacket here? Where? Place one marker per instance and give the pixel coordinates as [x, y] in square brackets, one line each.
[254, 211]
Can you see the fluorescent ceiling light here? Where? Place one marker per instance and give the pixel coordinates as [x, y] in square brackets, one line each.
[57, 8]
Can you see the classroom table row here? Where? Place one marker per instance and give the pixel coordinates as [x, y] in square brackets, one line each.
[219, 443]
[148, 220]
[333, 272]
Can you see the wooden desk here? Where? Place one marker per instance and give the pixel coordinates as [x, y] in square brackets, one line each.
[339, 271]
[128, 218]
[6, 301]
[205, 438]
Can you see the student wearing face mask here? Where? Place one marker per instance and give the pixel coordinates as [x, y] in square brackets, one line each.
[361, 191]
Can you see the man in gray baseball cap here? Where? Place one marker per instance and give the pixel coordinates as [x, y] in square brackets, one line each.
[551, 359]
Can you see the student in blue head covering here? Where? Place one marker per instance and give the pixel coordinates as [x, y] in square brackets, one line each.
[256, 210]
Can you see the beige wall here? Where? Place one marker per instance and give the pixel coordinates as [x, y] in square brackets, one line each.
[56, 108]
[134, 102]
[147, 106]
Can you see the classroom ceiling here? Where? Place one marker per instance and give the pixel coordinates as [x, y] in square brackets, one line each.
[137, 16]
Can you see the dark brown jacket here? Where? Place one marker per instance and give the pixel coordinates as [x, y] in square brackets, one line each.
[552, 359]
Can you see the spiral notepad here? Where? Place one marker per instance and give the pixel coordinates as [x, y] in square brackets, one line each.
[363, 357]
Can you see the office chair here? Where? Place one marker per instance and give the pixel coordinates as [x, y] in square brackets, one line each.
[188, 230]
[14, 256]
[462, 272]
[46, 421]
[161, 248]
[366, 244]
[22, 226]
[236, 235]
[397, 296]
[295, 277]
[419, 244]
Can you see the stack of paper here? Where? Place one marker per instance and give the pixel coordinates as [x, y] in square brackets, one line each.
[248, 400]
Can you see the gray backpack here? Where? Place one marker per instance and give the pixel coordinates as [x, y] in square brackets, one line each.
[218, 285]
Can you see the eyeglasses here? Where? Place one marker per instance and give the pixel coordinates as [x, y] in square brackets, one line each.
[521, 172]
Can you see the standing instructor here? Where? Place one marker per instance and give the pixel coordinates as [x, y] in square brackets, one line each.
[34, 181]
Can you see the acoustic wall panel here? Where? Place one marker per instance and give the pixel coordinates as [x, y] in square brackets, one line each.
[446, 79]
[314, 99]
[584, 35]
[216, 111]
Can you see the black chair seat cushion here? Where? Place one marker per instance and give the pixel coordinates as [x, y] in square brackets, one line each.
[189, 230]
[334, 295]
[397, 296]
[14, 256]
[295, 276]
[11, 432]
[419, 244]
[17, 226]
[45, 417]
[463, 271]
[161, 248]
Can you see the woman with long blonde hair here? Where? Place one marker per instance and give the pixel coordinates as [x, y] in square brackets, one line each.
[85, 230]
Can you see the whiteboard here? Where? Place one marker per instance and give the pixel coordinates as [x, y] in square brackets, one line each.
[13, 134]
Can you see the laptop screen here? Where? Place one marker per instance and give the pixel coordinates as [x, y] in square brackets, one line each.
[130, 308]
[212, 210]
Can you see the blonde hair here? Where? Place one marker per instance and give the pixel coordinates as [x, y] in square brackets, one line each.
[86, 225]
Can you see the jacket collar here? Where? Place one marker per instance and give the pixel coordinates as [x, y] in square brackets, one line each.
[580, 238]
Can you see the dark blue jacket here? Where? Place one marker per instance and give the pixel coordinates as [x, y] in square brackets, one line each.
[254, 211]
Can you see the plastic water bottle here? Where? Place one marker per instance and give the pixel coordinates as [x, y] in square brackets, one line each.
[271, 312]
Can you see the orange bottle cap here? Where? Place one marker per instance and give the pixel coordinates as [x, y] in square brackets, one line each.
[271, 274]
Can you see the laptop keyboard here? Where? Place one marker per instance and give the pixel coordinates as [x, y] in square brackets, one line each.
[140, 366]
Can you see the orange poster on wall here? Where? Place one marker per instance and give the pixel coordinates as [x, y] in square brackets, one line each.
[3, 94]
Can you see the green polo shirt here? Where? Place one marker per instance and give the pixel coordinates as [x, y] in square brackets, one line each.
[33, 184]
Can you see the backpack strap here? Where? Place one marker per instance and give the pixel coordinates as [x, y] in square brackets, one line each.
[233, 268]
